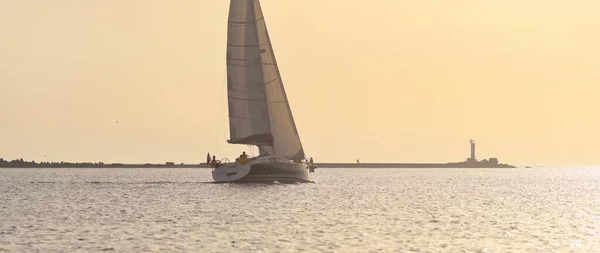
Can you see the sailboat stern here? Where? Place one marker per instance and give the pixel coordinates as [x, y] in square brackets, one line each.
[230, 172]
[269, 169]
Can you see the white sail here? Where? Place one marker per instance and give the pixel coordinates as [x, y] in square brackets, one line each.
[248, 117]
[258, 107]
[286, 139]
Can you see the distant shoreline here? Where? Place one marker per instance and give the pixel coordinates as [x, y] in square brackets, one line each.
[469, 164]
[413, 165]
[13, 164]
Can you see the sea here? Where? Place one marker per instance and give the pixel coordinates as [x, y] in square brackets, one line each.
[345, 210]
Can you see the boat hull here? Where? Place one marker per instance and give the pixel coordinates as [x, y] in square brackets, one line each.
[263, 171]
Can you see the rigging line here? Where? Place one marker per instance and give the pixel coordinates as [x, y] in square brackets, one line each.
[219, 121]
[223, 88]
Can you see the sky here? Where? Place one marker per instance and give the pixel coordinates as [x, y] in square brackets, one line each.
[379, 81]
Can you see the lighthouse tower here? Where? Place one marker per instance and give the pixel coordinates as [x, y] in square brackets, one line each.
[472, 158]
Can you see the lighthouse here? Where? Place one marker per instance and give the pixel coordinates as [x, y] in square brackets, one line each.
[473, 151]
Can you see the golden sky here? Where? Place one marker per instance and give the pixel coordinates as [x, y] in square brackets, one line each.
[380, 80]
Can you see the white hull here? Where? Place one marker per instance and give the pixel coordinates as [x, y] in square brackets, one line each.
[263, 170]
[230, 172]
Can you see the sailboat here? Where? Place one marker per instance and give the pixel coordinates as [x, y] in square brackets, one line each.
[259, 111]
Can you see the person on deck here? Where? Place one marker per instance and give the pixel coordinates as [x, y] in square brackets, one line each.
[213, 163]
[243, 158]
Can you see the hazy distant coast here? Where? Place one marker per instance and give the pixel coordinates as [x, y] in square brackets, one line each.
[20, 163]
[481, 164]
[470, 162]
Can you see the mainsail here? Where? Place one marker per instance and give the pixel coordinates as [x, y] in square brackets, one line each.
[259, 112]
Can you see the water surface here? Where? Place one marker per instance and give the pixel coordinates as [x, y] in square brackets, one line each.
[348, 210]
